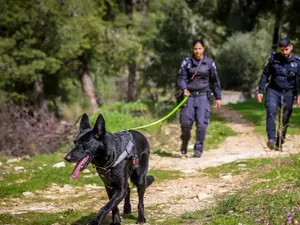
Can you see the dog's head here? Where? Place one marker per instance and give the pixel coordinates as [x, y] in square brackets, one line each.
[87, 143]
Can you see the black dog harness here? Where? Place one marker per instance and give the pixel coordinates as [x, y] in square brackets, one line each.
[128, 148]
[128, 151]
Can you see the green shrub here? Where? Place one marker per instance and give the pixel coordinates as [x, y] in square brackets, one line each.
[241, 59]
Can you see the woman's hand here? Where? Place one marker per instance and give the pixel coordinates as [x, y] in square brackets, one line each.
[186, 93]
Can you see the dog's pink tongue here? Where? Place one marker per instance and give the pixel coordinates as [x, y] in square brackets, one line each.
[78, 166]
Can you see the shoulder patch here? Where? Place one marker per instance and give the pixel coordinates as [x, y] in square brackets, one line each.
[184, 62]
[268, 60]
[294, 64]
[214, 65]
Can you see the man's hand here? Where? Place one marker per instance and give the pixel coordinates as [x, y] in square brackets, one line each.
[186, 93]
[218, 104]
[298, 100]
[259, 97]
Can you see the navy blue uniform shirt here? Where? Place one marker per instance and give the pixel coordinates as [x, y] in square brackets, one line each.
[281, 73]
[205, 79]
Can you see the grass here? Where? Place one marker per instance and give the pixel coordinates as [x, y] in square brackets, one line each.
[120, 115]
[39, 174]
[163, 175]
[240, 166]
[256, 113]
[69, 217]
[272, 196]
[62, 218]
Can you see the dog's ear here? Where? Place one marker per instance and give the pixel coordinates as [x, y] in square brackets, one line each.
[99, 128]
[84, 123]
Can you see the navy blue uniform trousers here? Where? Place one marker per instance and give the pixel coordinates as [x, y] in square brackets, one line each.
[274, 101]
[197, 109]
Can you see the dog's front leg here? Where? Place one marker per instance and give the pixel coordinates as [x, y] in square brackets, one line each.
[117, 197]
[127, 205]
[115, 211]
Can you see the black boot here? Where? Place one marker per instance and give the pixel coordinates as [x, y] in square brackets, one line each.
[183, 148]
[198, 149]
[185, 137]
[200, 137]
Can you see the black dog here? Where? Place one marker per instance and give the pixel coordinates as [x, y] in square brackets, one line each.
[117, 157]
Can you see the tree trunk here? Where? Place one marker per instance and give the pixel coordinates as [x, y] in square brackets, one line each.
[278, 9]
[40, 93]
[129, 8]
[88, 90]
[131, 92]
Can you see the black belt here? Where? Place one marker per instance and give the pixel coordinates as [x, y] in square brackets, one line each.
[281, 90]
[198, 93]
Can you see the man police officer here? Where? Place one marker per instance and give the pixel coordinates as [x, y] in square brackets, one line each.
[281, 73]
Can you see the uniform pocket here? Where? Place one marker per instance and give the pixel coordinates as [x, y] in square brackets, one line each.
[184, 105]
[209, 97]
[271, 102]
[207, 116]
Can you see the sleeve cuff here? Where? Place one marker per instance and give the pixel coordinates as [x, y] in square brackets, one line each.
[260, 91]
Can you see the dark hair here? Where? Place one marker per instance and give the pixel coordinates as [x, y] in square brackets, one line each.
[200, 41]
[284, 42]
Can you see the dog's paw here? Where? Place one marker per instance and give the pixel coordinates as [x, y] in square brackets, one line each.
[127, 209]
[93, 223]
[115, 224]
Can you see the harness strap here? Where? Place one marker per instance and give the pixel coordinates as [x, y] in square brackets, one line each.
[124, 155]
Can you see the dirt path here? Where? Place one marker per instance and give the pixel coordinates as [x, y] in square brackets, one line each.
[194, 191]
[245, 145]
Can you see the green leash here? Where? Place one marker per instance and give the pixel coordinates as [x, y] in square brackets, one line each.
[164, 118]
